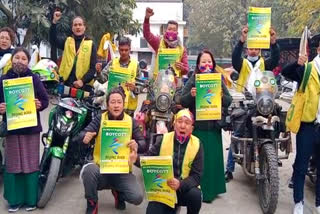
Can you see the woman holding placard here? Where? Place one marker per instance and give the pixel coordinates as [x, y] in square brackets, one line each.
[208, 131]
[22, 97]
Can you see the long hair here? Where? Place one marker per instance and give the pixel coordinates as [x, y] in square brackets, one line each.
[205, 51]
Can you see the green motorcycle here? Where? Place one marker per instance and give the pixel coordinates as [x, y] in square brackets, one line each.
[62, 151]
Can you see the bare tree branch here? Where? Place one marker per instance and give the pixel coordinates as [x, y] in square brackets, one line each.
[7, 13]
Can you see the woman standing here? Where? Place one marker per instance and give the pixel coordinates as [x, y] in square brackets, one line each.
[22, 145]
[209, 132]
[7, 38]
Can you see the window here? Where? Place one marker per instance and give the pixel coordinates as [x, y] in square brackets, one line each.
[143, 43]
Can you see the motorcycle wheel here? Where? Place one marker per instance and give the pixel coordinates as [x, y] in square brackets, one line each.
[46, 191]
[268, 186]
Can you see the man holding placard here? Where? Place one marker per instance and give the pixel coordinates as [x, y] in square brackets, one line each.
[168, 48]
[259, 35]
[118, 141]
[122, 71]
[185, 153]
[256, 41]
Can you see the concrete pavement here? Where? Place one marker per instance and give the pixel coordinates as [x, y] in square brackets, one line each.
[241, 196]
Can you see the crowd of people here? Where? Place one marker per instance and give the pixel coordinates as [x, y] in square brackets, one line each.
[200, 182]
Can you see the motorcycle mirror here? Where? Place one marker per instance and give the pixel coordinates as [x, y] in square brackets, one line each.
[143, 64]
[99, 94]
[234, 75]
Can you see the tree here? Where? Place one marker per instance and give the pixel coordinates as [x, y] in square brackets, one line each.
[217, 24]
[114, 16]
[301, 14]
[27, 14]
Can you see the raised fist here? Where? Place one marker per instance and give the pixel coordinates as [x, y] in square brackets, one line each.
[56, 17]
[244, 33]
[149, 12]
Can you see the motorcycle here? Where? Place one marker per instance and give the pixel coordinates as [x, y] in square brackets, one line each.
[257, 125]
[161, 104]
[62, 151]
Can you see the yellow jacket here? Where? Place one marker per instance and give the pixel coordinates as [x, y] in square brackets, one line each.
[167, 147]
[245, 73]
[312, 93]
[80, 59]
[132, 70]
[163, 49]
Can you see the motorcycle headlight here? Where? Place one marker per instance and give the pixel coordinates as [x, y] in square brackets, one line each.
[163, 102]
[265, 106]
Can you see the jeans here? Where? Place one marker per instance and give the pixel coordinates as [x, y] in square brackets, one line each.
[307, 144]
[125, 184]
[191, 199]
[230, 161]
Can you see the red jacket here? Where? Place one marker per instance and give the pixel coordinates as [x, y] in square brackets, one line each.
[154, 41]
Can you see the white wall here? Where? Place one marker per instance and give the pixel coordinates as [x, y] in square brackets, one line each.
[163, 12]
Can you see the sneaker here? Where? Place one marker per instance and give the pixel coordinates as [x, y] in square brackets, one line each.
[228, 176]
[31, 208]
[118, 204]
[318, 210]
[298, 208]
[92, 207]
[13, 208]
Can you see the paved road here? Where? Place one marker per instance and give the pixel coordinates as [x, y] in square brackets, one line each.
[241, 196]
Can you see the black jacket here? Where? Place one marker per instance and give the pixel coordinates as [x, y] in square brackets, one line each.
[94, 126]
[59, 43]
[193, 180]
[270, 63]
[188, 101]
[293, 72]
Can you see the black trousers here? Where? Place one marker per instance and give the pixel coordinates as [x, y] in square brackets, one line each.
[191, 199]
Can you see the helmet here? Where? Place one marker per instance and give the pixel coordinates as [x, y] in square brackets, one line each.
[47, 70]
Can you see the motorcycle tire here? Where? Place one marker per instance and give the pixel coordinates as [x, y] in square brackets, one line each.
[46, 192]
[268, 187]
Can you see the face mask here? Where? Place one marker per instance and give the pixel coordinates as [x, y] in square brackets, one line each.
[253, 58]
[182, 138]
[206, 68]
[19, 67]
[171, 36]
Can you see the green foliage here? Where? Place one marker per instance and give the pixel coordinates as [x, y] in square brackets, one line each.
[217, 24]
[114, 16]
[302, 14]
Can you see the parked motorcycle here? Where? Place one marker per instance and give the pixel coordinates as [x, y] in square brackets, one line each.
[161, 103]
[258, 135]
[62, 151]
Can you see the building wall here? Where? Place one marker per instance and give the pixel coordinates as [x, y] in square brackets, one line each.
[163, 12]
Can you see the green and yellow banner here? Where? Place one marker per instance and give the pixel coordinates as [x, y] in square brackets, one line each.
[169, 56]
[114, 153]
[259, 23]
[208, 98]
[119, 78]
[156, 171]
[20, 103]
